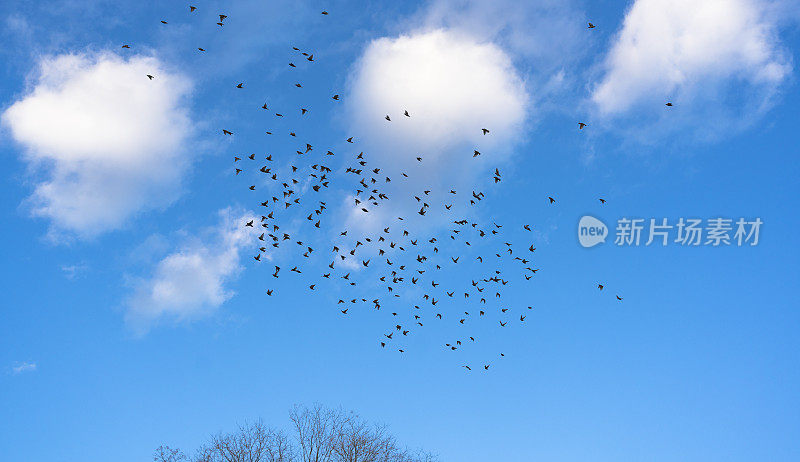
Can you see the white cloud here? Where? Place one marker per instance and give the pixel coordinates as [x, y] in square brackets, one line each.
[524, 28]
[190, 282]
[694, 52]
[110, 141]
[19, 368]
[451, 85]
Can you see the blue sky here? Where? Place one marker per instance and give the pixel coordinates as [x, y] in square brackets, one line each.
[116, 187]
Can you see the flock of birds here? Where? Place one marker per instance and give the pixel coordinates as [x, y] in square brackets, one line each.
[396, 257]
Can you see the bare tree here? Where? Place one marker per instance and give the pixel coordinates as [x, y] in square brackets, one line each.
[251, 443]
[167, 454]
[360, 441]
[317, 430]
[321, 435]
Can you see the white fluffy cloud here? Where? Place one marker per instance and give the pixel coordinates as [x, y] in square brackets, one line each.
[451, 85]
[190, 282]
[109, 141]
[690, 51]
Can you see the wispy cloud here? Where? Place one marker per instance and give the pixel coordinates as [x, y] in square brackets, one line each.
[73, 272]
[103, 141]
[190, 282]
[23, 367]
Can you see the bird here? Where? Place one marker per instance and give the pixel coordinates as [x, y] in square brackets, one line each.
[668, 104]
[602, 201]
[201, 49]
[600, 286]
[581, 125]
[150, 77]
[405, 113]
[192, 8]
[387, 118]
[336, 97]
[485, 131]
[325, 13]
[126, 46]
[240, 85]
[551, 199]
[227, 132]
[619, 298]
[591, 26]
